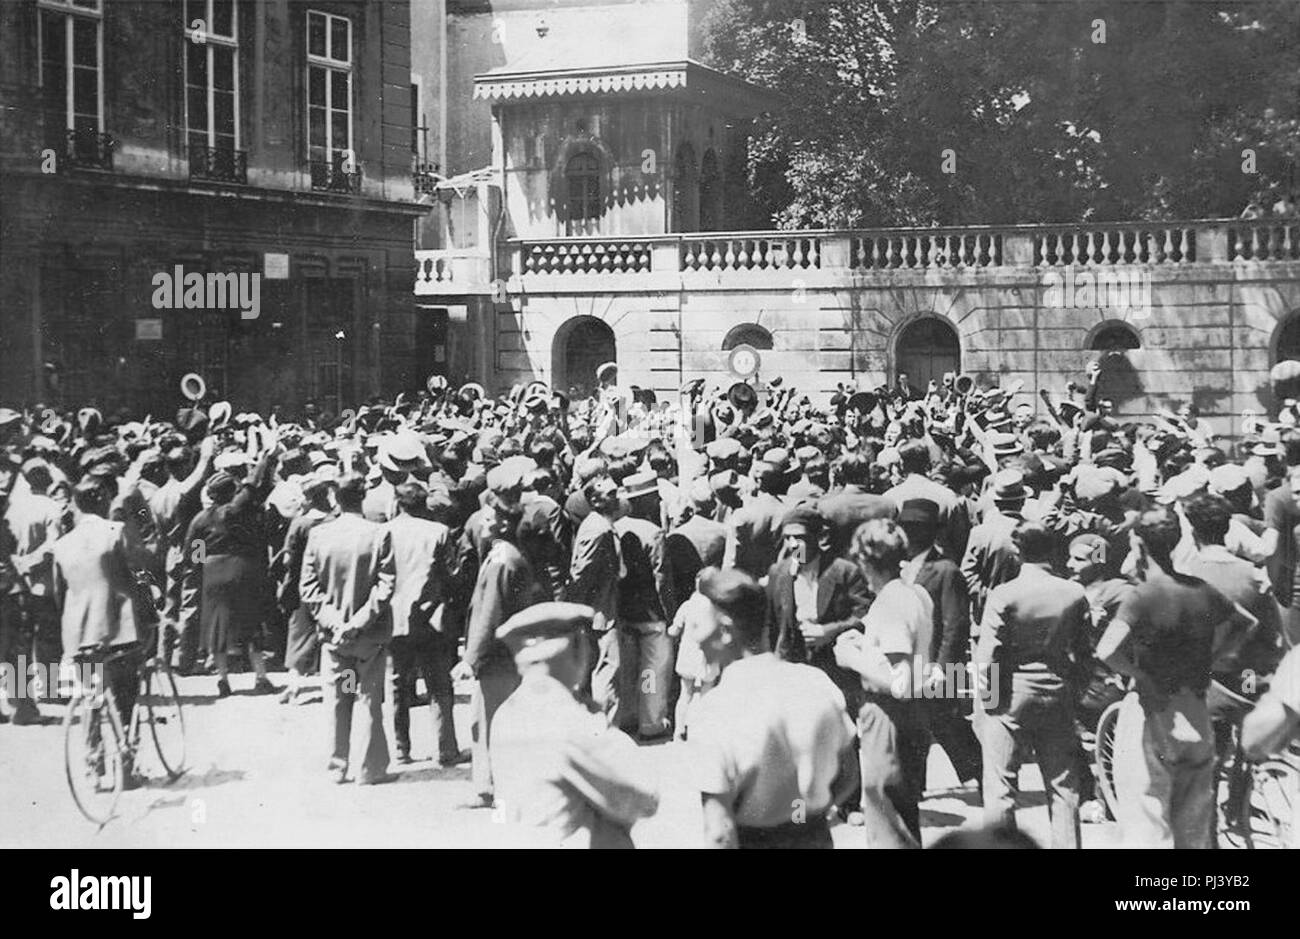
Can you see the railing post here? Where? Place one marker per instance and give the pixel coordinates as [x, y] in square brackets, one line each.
[836, 251]
[665, 256]
[1018, 249]
[1212, 243]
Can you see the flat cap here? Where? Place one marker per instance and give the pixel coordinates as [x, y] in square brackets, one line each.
[724, 448]
[542, 621]
[1228, 478]
[919, 511]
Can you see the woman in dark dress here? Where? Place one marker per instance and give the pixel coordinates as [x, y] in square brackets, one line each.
[302, 648]
[229, 541]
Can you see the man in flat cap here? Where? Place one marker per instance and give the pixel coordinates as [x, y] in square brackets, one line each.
[644, 597]
[347, 584]
[594, 574]
[505, 585]
[561, 771]
[771, 746]
[421, 648]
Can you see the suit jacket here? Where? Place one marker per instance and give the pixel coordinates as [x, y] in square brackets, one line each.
[847, 508]
[595, 570]
[420, 550]
[93, 585]
[697, 543]
[1280, 513]
[643, 593]
[505, 585]
[754, 534]
[288, 562]
[954, 521]
[991, 558]
[842, 600]
[347, 582]
[1036, 621]
[943, 581]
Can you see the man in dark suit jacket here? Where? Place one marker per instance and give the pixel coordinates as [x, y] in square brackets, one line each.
[848, 506]
[505, 585]
[812, 597]
[697, 543]
[949, 650]
[754, 530]
[594, 574]
[420, 646]
[347, 584]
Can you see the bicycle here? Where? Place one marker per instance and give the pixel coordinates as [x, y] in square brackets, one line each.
[1256, 802]
[97, 750]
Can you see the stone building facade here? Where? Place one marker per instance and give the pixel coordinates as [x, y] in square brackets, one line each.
[267, 137]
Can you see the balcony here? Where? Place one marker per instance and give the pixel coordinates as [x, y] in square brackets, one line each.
[85, 149]
[333, 177]
[425, 177]
[218, 164]
[452, 272]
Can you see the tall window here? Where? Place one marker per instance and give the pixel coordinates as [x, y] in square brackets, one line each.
[329, 96]
[583, 203]
[72, 56]
[212, 86]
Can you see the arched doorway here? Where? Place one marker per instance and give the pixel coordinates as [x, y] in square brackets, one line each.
[1286, 347]
[581, 346]
[926, 349]
[1119, 381]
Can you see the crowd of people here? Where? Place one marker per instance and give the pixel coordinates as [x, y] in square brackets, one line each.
[806, 593]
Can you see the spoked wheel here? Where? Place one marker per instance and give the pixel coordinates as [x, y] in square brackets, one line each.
[1275, 789]
[1103, 756]
[158, 712]
[92, 754]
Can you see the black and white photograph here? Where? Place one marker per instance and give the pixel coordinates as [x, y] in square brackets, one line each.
[525, 424]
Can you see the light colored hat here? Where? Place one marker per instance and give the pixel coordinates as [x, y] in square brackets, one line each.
[219, 414]
[1228, 478]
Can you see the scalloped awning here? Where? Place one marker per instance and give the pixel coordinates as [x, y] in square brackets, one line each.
[507, 87]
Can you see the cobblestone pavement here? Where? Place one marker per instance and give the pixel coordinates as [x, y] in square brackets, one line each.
[257, 779]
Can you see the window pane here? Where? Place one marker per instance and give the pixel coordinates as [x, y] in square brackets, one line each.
[339, 130]
[85, 91]
[316, 127]
[316, 86]
[85, 44]
[223, 108]
[316, 33]
[223, 67]
[195, 10]
[196, 60]
[197, 138]
[223, 18]
[86, 4]
[53, 48]
[339, 91]
[197, 115]
[339, 29]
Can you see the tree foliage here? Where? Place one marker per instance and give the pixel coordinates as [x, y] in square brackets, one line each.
[1052, 111]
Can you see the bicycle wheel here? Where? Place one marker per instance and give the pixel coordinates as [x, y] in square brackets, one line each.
[92, 756]
[159, 706]
[1103, 756]
[1273, 805]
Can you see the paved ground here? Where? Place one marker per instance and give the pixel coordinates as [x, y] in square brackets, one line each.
[257, 779]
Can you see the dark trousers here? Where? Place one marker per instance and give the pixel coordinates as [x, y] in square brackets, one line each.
[954, 733]
[430, 656]
[894, 744]
[813, 833]
[1039, 715]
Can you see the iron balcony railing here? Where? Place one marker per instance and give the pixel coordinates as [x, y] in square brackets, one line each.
[220, 164]
[85, 148]
[333, 177]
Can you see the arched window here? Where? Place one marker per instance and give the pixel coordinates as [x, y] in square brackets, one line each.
[582, 202]
[1114, 336]
[710, 193]
[747, 334]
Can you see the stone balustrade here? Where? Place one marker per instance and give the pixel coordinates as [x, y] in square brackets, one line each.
[867, 253]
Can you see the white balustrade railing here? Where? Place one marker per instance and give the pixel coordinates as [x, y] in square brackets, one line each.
[775, 252]
[1111, 245]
